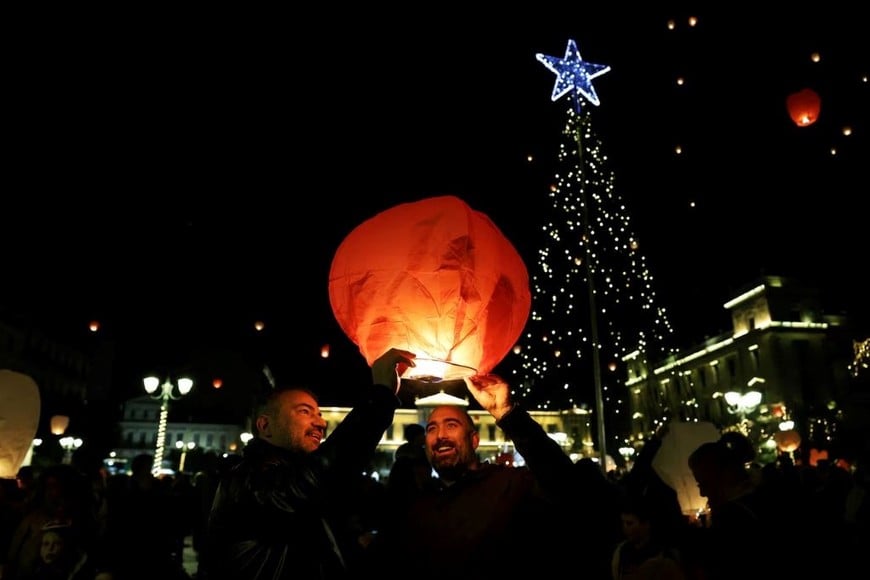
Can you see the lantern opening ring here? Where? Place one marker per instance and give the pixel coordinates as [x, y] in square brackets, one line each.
[432, 370]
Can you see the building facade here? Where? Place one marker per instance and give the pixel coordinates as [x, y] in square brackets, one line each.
[783, 360]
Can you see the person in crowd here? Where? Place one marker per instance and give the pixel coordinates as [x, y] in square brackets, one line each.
[142, 518]
[483, 520]
[62, 494]
[275, 513]
[411, 471]
[643, 554]
[744, 526]
[61, 557]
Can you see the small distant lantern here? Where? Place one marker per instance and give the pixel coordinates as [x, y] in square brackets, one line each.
[804, 107]
[59, 423]
[94, 325]
[324, 351]
[259, 325]
[217, 383]
[612, 366]
[787, 441]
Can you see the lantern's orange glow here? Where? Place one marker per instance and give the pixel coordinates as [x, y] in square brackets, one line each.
[259, 325]
[612, 366]
[94, 325]
[804, 107]
[324, 351]
[434, 277]
[787, 441]
[217, 383]
[19, 405]
[58, 424]
[818, 455]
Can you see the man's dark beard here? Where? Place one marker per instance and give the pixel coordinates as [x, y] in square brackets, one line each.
[451, 473]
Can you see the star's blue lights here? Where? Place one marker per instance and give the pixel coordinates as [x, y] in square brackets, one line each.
[573, 73]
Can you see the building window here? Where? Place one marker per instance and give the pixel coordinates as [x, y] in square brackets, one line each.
[209, 440]
[491, 432]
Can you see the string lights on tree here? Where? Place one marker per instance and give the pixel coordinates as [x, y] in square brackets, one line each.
[592, 291]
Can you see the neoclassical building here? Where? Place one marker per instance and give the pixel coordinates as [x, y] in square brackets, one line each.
[784, 359]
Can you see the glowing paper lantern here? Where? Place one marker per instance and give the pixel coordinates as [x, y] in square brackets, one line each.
[671, 461]
[58, 424]
[803, 107]
[787, 441]
[817, 455]
[434, 277]
[19, 419]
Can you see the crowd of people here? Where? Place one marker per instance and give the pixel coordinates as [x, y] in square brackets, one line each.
[296, 505]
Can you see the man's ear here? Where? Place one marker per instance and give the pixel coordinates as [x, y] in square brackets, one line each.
[263, 425]
[475, 440]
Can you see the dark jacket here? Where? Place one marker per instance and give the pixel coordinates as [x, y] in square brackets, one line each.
[484, 524]
[274, 514]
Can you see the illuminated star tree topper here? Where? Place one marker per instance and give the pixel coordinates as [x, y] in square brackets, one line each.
[573, 74]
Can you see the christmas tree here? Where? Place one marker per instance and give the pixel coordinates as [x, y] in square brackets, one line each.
[593, 301]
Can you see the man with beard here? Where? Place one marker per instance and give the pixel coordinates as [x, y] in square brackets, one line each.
[275, 514]
[484, 520]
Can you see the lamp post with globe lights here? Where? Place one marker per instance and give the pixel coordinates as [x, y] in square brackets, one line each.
[184, 447]
[165, 394]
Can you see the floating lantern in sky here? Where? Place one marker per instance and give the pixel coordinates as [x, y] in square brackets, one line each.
[803, 107]
[19, 419]
[787, 441]
[434, 277]
[58, 424]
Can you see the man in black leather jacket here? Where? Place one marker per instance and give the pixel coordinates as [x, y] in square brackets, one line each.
[273, 514]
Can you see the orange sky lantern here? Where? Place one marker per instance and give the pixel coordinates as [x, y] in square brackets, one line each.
[58, 424]
[787, 441]
[434, 277]
[803, 107]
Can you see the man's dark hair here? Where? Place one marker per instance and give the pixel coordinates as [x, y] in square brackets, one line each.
[412, 431]
[267, 402]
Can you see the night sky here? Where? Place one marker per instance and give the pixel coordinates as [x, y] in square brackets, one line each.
[178, 178]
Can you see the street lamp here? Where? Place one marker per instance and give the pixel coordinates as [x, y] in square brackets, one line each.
[185, 447]
[69, 445]
[744, 403]
[164, 395]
